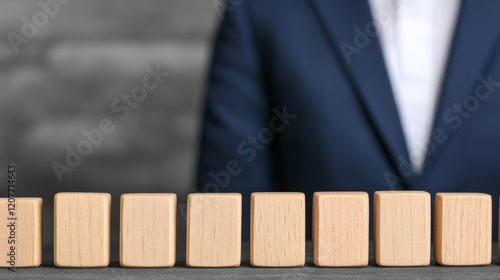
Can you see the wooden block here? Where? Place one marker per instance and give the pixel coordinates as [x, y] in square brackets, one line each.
[462, 229]
[340, 229]
[148, 230]
[277, 229]
[402, 228]
[213, 237]
[82, 229]
[26, 237]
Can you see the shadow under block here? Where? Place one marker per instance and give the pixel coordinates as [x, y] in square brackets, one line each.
[147, 230]
[27, 232]
[462, 229]
[402, 228]
[340, 229]
[277, 229]
[82, 229]
[213, 233]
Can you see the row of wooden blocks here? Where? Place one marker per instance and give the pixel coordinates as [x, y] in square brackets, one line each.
[402, 229]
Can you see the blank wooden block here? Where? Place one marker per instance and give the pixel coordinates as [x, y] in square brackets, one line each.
[277, 229]
[402, 228]
[213, 237]
[147, 230]
[340, 229]
[28, 232]
[462, 229]
[82, 229]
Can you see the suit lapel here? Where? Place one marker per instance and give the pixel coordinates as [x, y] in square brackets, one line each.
[365, 67]
[475, 41]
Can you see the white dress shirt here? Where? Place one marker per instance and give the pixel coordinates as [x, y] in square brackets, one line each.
[415, 36]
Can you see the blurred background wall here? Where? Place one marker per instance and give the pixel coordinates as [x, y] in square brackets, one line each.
[64, 65]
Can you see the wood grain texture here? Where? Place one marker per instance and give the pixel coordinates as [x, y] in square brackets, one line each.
[462, 229]
[213, 233]
[402, 228]
[28, 232]
[82, 229]
[340, 229]
[148, 229]
[277, 229]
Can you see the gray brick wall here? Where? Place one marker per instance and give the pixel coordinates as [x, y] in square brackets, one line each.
[64, 79]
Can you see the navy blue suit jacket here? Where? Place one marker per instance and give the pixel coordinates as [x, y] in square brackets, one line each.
[299, 99]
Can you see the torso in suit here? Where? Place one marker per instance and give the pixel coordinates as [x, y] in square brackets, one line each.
[288, 110]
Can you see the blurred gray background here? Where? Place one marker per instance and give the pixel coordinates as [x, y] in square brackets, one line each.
[62, 67]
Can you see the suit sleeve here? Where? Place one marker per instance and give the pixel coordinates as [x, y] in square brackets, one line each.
[231, 158]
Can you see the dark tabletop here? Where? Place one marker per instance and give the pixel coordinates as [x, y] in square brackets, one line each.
[180, 271]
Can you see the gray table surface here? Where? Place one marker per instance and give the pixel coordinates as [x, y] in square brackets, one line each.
[309, 271]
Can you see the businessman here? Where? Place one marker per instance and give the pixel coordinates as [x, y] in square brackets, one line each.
[350, 95]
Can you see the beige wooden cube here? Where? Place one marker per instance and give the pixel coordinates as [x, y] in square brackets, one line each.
[21, 232]
[402, 228]
[277, 229]
[462, 227]
[340, 229]
[213, 237]
[148, 229]
[82, 229]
